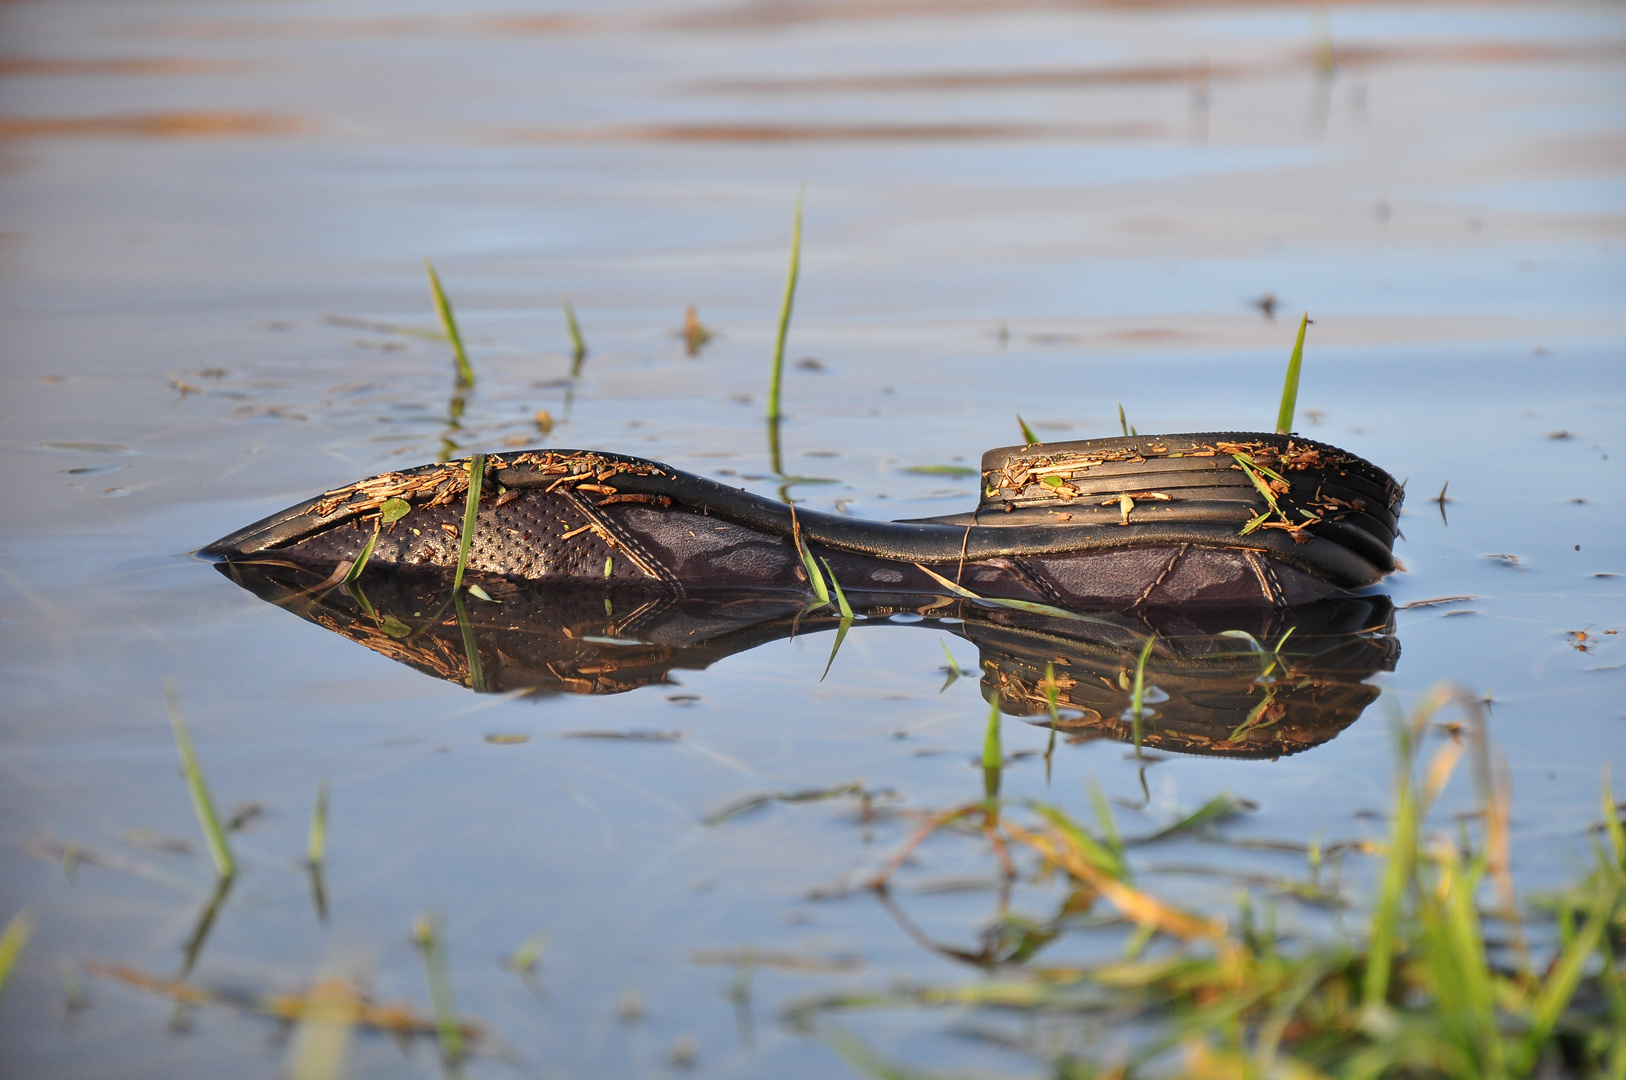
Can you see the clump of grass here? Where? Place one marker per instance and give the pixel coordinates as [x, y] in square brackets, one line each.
[1290, 383]
[202, 805]
[1422, 993]
[448, 323]
[777, 372]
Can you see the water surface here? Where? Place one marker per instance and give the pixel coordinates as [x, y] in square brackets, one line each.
[213, 226]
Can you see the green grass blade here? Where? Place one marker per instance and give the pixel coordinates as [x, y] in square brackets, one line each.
[953, 666]
[359, 595]
[1463, 936]
[1015, 605]
[993, 753]
[529, 952]
[1255, 714]
[1137, 701]
[814, 579]
[471, 646]
[1252, 471]
[864, 1061]
[1028, 436]
[448, 323]
[1109, 825]
[1290, 385]
[955, 471]
[578, 347]
[18, 932]
[841, 635]
[1105, 857]
[354, 573]
[841, 597]
[471, 509]
[316, 847]
[327, 1021]
[785, 305]
[1219, 808]
[201, 804]
[205, 923]
[429, 934]
[1612, 824]
[1052, 698]
[1398, 871]
[1560, 985]
[1123, 421]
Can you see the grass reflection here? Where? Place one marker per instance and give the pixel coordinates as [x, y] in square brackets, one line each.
[1426, 992]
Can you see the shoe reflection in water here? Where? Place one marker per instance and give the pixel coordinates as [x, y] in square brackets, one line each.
[1220, 681]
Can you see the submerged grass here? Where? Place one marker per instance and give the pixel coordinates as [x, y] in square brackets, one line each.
[448, 323]
[202, 805]
[1425, 992]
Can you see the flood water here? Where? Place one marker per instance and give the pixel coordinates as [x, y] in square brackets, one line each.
[213, 220]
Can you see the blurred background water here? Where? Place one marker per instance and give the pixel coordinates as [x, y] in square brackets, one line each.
[212, 226]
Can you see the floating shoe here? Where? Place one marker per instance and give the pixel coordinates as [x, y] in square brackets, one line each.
[1144, 521]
